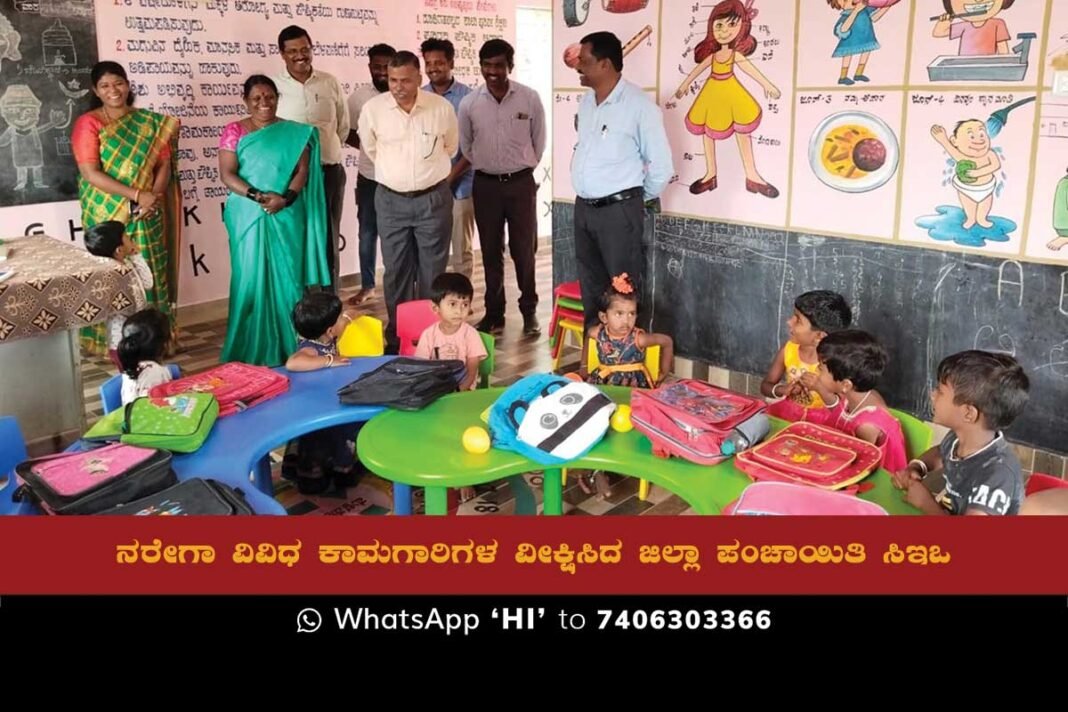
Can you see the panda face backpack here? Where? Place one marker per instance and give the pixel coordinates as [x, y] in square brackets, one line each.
[550, 419]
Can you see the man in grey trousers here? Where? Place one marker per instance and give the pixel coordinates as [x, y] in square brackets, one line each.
[411, 136]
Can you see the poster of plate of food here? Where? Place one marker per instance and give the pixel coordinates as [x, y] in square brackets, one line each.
[854, 152]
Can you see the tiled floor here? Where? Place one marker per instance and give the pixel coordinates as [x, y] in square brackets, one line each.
[516, 356]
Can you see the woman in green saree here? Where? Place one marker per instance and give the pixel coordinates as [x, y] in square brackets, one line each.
[127, 159]
[276, 218]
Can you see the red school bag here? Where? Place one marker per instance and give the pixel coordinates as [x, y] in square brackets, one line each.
[237, 386]
[691, 419]
[812, 455]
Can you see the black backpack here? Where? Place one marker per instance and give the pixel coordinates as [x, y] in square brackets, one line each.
[404, 383]
[189, 497]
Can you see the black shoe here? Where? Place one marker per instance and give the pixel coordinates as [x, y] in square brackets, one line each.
[349, 477]
[314, 482]
[531, 327]
[490, 325]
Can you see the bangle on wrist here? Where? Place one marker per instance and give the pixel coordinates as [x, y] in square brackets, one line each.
[921, 465]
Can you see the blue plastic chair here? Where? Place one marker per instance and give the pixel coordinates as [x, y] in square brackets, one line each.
[12, 452]
[111, 389]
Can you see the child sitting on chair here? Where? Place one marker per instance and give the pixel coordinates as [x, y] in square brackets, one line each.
[110, 239]
[144, 339]
[620, 344]
[816, 314]
[851, 363]
[452, 337]
[621, 349]
[322, 457]
[978, 394]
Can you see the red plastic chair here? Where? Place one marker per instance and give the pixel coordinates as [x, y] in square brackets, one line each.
[1037, 483]
[568, 290]
[412, 320]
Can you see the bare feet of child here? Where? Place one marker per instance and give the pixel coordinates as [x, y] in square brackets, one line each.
[467, 494]
[586, 481]
[604, 490]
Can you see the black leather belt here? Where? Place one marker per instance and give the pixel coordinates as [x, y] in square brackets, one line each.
[413, 193]
[504, 177]
[613, 198]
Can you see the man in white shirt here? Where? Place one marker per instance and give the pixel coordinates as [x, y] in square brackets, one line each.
[314, 97]
[411, 135]
[378, 64]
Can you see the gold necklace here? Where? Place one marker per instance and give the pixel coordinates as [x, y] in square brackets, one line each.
[107, 115]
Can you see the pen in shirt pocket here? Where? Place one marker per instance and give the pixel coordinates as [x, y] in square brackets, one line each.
[604, 130]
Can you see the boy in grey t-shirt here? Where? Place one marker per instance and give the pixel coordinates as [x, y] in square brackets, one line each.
[978, 394]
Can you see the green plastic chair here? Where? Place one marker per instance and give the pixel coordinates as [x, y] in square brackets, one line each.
[485, 369]
[918, 434]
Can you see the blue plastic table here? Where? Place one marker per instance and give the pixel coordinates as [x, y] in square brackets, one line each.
[239, 444]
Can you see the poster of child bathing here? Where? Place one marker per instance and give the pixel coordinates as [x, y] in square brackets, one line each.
[967, 169]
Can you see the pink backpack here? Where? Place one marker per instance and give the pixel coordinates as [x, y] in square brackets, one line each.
[94, 480]
[237, 386]
[691, 419]
[811, 455]
[785, 498]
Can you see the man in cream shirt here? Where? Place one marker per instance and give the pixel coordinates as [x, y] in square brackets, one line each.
[411, 136]
[314, 97]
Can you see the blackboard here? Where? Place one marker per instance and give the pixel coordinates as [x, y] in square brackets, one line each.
[724, 293]
[47, 48]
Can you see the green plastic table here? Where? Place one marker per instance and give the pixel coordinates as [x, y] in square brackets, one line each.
[423, 449]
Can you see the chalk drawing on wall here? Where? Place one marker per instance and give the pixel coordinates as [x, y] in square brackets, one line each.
[21, 109]
[9, 41]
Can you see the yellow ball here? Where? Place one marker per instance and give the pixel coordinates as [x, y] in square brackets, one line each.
[621, 419]
[476, 440]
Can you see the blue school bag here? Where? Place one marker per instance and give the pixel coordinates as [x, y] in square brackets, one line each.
[569, 418]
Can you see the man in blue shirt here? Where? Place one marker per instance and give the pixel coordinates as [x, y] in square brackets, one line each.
[438, 55]
[622, 160]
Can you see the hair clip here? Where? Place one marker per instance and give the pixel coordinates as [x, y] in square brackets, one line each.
[622, 284]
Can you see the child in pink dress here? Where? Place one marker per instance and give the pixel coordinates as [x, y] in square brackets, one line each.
[851, 363]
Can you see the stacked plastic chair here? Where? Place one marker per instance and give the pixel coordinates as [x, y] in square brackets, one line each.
[567, 316]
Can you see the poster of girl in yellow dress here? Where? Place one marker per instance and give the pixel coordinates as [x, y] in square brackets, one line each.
[725, 107]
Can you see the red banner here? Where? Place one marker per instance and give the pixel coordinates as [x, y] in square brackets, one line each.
[484, 555]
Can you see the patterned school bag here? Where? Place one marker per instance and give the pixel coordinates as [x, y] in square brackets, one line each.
[91, 481]
[194, 496]
[179, 423]
[692, 419]
[812, 455]
[236, 386]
